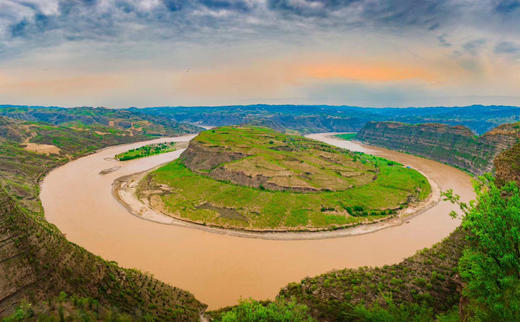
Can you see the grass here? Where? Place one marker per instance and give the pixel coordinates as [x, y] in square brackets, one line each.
[254, 208]
[288, 161]
[347, 136]
[146, 151]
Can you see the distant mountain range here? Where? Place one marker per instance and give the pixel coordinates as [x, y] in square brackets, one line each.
[301, 118]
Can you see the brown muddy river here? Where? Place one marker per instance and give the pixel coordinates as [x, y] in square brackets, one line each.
[220, 269]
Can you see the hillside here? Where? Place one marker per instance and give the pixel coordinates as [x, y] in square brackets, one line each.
[37, 263]
[258, 179]
[425, 284]
[454, 145]
[31, 149]
[507, 165]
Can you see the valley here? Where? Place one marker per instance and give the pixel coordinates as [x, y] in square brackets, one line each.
[245, 267]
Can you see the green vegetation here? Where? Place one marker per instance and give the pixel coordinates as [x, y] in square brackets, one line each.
[347, 136]
[473, 275]
[490, 266]
[69, 308]
[146, 151]
[369, 188]
[254, 311]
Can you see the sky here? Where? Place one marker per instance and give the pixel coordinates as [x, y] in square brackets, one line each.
[121, 53]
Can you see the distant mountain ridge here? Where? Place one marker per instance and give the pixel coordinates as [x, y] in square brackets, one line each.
[313, 118]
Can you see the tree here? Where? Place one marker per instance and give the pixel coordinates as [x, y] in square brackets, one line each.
[490, 266]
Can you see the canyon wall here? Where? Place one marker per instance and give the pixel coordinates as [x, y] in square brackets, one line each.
[454, 145]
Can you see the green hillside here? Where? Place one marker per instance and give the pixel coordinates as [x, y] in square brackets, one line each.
[258, 179]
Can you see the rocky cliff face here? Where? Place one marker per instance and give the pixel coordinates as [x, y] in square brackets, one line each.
[455, 145]
[507, 162]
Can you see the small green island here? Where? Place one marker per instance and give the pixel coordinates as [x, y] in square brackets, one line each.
[257, 179]
[147, 150]
[346, 136]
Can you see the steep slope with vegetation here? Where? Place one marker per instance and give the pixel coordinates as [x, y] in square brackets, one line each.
[422, 286]
[37, 263]
[258, 179]
[36, 260]
[507, 165]
[454, 145]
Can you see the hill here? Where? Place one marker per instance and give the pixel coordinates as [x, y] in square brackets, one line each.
[258, 179]
[434, 284]
[30, 149]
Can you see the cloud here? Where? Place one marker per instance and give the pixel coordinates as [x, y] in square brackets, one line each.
[506, 47]
[50, 22]
[507, 6]
[443, 41]
[402, 41]
[474, 47]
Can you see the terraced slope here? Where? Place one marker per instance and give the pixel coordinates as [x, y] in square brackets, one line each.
[259, 157]
[258, 179]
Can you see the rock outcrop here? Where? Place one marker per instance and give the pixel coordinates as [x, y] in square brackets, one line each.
[454, 145]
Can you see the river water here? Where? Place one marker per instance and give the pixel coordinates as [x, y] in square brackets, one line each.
[220, 269]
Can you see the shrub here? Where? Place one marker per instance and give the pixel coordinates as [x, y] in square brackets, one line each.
[280, 310]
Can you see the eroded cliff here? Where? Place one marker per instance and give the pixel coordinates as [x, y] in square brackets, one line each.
[454, 145]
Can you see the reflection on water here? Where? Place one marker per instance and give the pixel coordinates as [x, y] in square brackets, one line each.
[219, 269]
